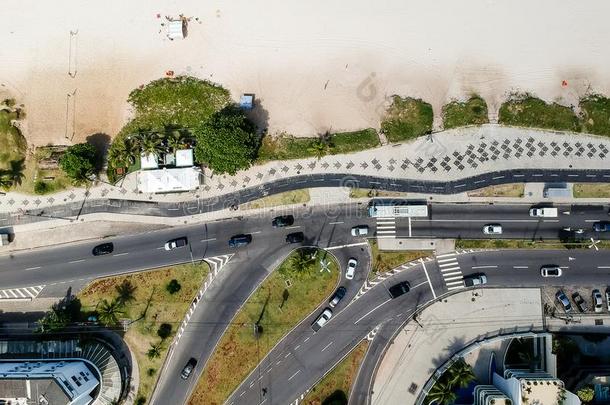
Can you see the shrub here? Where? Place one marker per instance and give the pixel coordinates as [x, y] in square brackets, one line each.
[164, 331]
[40, 187]
[173, 286]
[78, 162]
[407, 118]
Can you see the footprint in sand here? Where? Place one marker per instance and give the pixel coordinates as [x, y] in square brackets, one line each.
[217, 13]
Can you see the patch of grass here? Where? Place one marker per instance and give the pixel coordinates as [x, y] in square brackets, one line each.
[520, 244]
[239, 351]
[284, 147]
[371, 193]
[339, 381]
[595, 112]
[463, 113]
[152, 305]
[275, 200]
[384, 260]
[407, 118]
[527, 111]
[591, 190]
[503, 190]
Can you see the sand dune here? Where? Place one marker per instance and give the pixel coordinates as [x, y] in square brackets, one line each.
[313, 65]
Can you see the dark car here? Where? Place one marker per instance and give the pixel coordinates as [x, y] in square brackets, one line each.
[176, 243]
[282, 221]
[564, 301]
[580, 302]
[399, 289]
[296, 237]
[103, 249]
[240, 240]
[188, 368]
[601, 226]
[337, 297]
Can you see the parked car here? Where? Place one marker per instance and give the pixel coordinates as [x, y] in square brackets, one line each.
[360, 230]
[475, 279]
[550, 270]
[188, 368]
[564, 301]
[176, 243]
[601, 226]
[544, 212]
[608, 298]
[296, 237]
[399, 289]
[337, 297]
[492, 229]
[282, 221]
[240, 240]
[322, 319]
[580, 302]
[103, 249]
[598, 301]
[351, 268]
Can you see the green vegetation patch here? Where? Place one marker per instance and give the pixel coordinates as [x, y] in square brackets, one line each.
[384, 260]
[528, 111]
[407, 118]
[523, 244]
[286, 147]
[591, 190]
[595, 114]
[13, 147]
[502, 190]
[335, 387]
[275, 200]
[444, 391]
[463, 113]
[155, 313]
[287, 296]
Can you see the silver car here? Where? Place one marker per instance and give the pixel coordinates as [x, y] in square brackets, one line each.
[492, 229]
[550, 271]
[351, 268]
[598, 301]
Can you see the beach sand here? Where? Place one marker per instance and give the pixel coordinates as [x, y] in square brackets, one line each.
[314, 66]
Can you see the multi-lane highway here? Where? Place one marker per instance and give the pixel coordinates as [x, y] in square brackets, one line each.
[73, 265]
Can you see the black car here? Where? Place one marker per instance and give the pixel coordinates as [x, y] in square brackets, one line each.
[240, 240]
[580, 302]
[337, 296]
[296, 237]
[602, 226]
[188, 368]
[103, 249]
[399, 289]
[282, 221]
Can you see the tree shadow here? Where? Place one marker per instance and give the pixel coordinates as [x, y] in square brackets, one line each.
[336, 398]
[101, 143]
[259, 117]
[455, 344]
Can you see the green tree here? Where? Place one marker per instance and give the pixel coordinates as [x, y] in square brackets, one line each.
[173, 286]
[78, 162]
[149, 143]
[299, 262]
[441, 393]
[62, 314]
[122, 153]
[227, 142]
[318, 148]
[126, 292]
[586, 394]
[109, 312]
[164, 331]
[460, 374]
[154, 351]
[176, 138]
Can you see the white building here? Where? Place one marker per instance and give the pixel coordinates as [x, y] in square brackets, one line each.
[183, 177]
[47, 382]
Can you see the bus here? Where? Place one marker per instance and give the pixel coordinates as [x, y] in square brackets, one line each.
[397, 208]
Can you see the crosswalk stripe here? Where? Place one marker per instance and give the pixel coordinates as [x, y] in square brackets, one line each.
[447, 260]
[452, 283]
[452, 263]
[450, 269]
[450, 276]
[384, 232]
[446, 255]
[455, 287]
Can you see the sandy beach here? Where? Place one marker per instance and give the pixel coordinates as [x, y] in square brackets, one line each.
[313, 66]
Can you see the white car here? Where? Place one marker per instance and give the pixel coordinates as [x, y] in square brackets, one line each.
[351, 268]
[550, 271]
[608, 299]
[492, 229]
[323, 318]
[598, 302]
[360, 230]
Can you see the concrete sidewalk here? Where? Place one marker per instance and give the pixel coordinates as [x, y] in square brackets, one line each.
[444, 156]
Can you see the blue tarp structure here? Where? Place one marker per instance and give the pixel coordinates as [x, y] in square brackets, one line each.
[247, 101]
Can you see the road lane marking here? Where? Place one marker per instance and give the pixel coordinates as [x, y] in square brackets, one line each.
[326, 347]
[306, 339]
[453, 283]
[256, 232]
[162, 247]
[497, 177]
[564, 267]
[208, 240]
[484, 267]
[368, 313]
[446, 255]
[474, 220]
[278, 362]
[451, 276]
[427, 276]
[242, 394]
[293, 227]
[386, 232]
[336, 223]
[410, 227]
[77, 261]
[120, 254]
[520, 267]
[32, 268]
[446, 260]
[603, 267]
[297, 347]
[454, 287]
[444, 271]
[294, 375]
[286, 356]
[348, 245]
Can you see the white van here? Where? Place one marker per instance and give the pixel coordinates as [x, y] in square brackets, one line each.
[545, 212]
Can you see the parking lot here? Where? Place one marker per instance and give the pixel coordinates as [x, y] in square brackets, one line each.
[577, 301]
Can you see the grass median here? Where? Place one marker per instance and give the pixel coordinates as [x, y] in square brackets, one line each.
[503, 190]
[384, 260]
[524, 244]
[335, 387]
[592, 190]
[287, 296]
[276, 200]
[147, 303]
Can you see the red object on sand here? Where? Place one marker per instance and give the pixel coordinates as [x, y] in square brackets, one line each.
[169, 73]
[564, 83]
[158, 15]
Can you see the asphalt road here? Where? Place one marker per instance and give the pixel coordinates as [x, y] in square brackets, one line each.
[303, 356]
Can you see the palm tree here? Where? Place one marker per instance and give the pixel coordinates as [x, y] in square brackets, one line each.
[318, 148]
[126, 292]
[150, 143]
[15, 173]
[176, 139]
[5, 180]
[109, 312]
[154, 351]
[441, 393]
[123, 153]
[460, 374]
[302, 259]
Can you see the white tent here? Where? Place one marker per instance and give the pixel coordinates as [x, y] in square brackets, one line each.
[175, 29]
[184, 158]
[168, 180]
[150, 161]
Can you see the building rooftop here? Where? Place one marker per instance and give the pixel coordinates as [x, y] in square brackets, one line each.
[168, 180]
